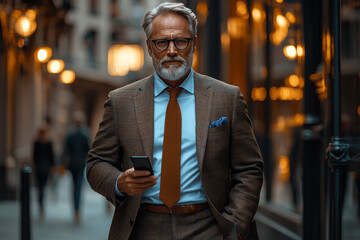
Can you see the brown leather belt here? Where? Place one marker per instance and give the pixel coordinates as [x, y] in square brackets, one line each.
[178, 209]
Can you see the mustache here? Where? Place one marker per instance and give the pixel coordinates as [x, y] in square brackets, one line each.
[170, 59]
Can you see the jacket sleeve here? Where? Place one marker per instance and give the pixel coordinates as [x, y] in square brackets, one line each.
[102, 169]
[246, 169]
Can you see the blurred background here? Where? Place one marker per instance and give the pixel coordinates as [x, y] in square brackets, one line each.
[297, 63]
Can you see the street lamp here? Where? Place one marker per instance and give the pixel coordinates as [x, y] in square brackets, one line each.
[124, 58]
[67, 76]
[43, 54]
[25, 26]
[290, 51]
[55, 66]
[256, 14]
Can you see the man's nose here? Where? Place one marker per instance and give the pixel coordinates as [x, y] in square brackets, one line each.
[172, 49]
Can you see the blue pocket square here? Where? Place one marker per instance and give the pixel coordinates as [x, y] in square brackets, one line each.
[220, 122]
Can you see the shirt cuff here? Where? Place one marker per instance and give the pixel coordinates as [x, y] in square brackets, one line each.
[117, 192]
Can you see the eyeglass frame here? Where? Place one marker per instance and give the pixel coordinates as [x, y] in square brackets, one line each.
[171, 40]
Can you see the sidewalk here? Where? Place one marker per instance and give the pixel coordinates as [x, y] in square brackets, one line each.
[58, 223]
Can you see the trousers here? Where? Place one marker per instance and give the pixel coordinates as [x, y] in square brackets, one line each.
[201, 225]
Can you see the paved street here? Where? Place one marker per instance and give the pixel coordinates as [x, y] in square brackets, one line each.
[58, 223]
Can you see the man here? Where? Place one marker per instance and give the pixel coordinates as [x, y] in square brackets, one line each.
[76, 147]
[206, 182]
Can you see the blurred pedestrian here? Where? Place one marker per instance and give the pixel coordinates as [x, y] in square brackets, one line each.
[76, 147]
[43, 159]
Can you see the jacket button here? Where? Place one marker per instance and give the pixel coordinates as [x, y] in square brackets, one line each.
[131, 222]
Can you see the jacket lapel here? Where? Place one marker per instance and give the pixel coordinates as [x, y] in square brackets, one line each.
[144, 107]
[203, 96]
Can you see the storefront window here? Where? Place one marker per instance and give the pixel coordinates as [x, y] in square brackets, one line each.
[277, 98]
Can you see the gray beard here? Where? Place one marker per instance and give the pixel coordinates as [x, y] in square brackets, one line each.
[173, 73]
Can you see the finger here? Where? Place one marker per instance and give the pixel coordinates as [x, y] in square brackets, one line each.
[134, 189]
[141, 180]
[140, 173]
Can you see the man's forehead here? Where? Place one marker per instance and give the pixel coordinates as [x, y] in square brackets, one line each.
[170, 23]
[168, 19]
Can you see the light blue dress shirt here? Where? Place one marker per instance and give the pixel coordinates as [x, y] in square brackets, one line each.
[191, 190]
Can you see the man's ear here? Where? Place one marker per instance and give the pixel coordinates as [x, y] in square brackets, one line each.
[149, 47]
[194, 42]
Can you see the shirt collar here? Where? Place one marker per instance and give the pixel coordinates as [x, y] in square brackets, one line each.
[160, 85]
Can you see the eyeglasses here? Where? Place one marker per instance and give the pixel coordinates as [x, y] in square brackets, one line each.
[180, 43]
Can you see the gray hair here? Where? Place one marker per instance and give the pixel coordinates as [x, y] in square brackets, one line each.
[168, 7]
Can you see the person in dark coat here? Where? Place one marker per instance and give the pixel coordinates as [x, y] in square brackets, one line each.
[76, 147]
[43, 159]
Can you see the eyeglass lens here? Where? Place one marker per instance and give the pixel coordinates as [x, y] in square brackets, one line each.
[180, 43]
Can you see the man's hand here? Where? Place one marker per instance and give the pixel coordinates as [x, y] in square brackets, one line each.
[133, 182]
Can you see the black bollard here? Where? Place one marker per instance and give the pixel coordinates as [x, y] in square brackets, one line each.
[25, 203]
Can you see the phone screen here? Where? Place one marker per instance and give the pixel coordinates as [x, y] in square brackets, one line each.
[142, 163]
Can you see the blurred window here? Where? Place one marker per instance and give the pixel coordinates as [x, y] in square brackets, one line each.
[94, 7]
[90, 39]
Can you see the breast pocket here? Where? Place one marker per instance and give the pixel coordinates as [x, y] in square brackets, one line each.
[219, 137]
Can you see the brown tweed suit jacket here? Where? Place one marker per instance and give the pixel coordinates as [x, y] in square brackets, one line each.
[229, 159]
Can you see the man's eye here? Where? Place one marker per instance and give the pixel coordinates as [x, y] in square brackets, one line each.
[181, 41]
[161, 42]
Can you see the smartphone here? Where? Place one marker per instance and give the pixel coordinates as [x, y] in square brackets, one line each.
[142, 163]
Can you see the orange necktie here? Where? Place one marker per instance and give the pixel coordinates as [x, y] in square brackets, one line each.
[170, 166]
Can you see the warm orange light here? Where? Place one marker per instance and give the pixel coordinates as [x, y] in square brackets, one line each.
[278, 35]
[280, 124]
[299, 119]
[256, 14]
[16, 13]
[236, 27]
[284, 93]
[24, 26]
[261, 94]
[274, 93]
[20, 43]
[258, 94]
[298, 94]
[290, 51]
[358, 110]
[328, 48]
[281, 21]
[136, 56]
[55, 66]
[291, 17]
[293, 80]
[279, 1]
[202, 11]
[241, 8]
[43, 54]
[225, 41]
[124, 58]
[300, 51]
[301, 82]
[31, 14]
[67, 76]
[202, 8]
[284, 165]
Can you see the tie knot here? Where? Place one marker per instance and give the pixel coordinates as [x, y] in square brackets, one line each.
[174, 92]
